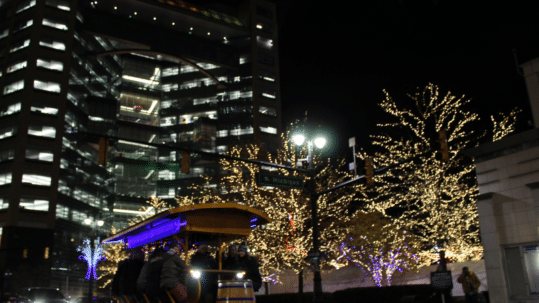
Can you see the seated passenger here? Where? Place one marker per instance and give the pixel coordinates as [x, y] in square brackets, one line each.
[173, 274]
[208, 281]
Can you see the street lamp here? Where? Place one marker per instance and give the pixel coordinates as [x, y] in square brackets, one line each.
[320, 142]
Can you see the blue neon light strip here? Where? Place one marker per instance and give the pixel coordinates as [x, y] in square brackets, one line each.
[159, 232]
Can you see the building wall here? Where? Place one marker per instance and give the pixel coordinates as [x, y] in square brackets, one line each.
[508, 208]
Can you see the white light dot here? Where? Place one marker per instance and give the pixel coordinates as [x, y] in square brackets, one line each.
[154, 18]
[208, 33]
[115, 7]
[173, 23]
[191, 28]
[135, 13]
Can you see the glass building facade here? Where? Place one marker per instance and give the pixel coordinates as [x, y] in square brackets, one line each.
[154, 76]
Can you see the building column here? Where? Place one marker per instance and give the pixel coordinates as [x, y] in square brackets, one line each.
[490, 231]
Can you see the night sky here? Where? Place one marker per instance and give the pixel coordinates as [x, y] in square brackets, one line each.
[336, 57]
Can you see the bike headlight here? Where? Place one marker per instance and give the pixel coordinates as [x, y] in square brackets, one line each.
[196, 274]
[240, 275]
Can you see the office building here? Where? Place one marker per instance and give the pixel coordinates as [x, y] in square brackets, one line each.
[154, 75]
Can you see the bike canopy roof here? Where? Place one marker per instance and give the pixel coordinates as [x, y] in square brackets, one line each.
[226, 220]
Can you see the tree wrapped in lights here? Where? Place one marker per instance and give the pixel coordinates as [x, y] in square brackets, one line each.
[91, 256]
[375, 245]
[434, 200]
[114, 253]
[280, 245]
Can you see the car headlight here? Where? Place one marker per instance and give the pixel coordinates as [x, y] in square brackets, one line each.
[240, 275]
[195, 274]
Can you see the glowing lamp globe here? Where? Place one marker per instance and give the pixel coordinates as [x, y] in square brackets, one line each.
[298, 139]
[320, 142]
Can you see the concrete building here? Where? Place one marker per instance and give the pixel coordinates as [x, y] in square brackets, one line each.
[149, 72]
[508, 177]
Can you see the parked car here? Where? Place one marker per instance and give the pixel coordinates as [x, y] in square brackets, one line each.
[42, 295]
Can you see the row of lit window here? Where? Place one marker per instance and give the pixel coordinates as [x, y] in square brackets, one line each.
[65, 212]
[30, 203]
[79, 194]
[44, 63]
[59, 4]
[47, 86]
[33, 129]
[32, 153]
[34, 179]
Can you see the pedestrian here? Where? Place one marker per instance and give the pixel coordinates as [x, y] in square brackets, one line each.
[249, 264]
[231, 258]
[208, 281]
[470, 284]
[173, 273]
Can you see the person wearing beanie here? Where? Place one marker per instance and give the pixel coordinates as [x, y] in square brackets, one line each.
[249, 264]
[173, 273]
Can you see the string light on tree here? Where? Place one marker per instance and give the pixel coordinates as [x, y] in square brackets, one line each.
[432, 199]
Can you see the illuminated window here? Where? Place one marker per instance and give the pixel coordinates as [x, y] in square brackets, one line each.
[8, 131]
[266, 75]
[44, 108]
[59, 4]
[267, 92]
[26, 23]
[7, 154]
[24, 5]
[10, 109]
[52, 43]
[16, 66]
[32, 203]
[55, 23]
[62, 211]
[5, 178]
[13, 87]
[4, 204]
[266, 110]
[42, 131]
[39, 154]
[4, 32]
[268, 129]
[264, 42]
[170, 71]
[52, 87]
[18, 45]
[242, 131]
[36, 179]
[50, 64]
[167, 121]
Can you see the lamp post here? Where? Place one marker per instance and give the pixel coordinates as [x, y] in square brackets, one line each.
[317, 280]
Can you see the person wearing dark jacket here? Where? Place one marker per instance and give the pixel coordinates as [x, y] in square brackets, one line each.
[231, 258]
[249, 264]
[208, 281]
[125, 280]
[173, 273]
[149, 274]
